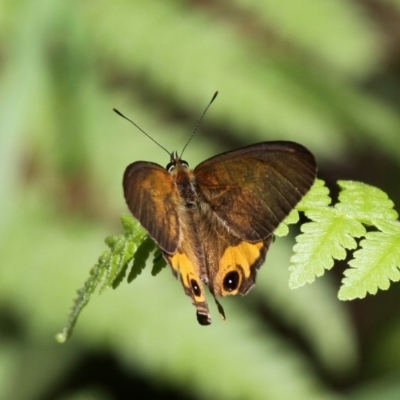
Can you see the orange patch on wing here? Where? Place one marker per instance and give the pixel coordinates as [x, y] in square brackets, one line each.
[185, 269]
[244, 254]
[240, 258]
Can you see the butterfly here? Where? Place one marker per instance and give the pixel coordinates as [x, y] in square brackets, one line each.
[215, 223]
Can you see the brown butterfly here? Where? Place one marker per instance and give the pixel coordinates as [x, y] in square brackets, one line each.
[214, 224]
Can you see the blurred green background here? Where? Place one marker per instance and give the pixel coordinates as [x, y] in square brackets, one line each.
[321, 72]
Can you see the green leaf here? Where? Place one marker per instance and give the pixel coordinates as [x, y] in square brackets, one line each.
[158, 262]
[141, 256]
[109, 270]
[322, 241]
[84, 295]
[334, 230]
[365, 203]
[318, 196]
[283, 229]
[375, 264]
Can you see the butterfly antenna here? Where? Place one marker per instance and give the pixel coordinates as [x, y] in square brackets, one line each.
[198, 123]
[141, 130]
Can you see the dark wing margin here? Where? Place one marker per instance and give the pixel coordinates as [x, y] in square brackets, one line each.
[252, 189]
[153, 200]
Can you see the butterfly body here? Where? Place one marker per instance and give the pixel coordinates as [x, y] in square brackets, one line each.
[215, 223]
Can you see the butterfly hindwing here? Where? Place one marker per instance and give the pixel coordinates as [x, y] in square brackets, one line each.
[232, 263]
[186, 268]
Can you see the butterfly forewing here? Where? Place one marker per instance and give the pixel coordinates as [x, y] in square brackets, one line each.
[152, 197]
[252, 189]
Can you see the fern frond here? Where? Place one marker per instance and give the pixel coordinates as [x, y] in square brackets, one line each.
[334, 230]
[331, 232]
[109, 270]
[375, 264]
